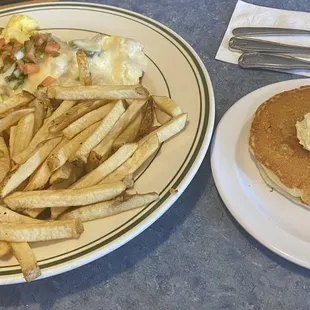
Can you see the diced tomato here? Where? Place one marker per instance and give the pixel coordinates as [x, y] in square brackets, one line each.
[8, 48]
[4, 54]
[47, 81]
[31, 57]
[20, 65]
[2, 42]
[52, 47]
[31, 68]
[17, 46]
[42, 38]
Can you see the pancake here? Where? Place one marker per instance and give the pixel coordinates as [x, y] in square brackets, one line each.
[284, 163]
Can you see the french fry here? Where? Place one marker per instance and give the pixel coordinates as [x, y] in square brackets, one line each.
[26, 169]
[102, 131]
[43, 133]
[84, 72]
[28, 263]
[13, 131]
[109, 208]
[147, 121]
[64, 120]
[107, 167]
[131, 165]
[94, 92]
[63, 185]
[161, 117]
[65, 197]
[61, 156]
[33, 213]
[129, 135]
[24, 133]
[168, 130]
[7, 215]
[105, 147]
[39, 114]
[4, 248]
[43, 231]
[42, 175]
[12, 118]
[62, 174]
[88, 119]
[16, 101]
[5, 161]
[167, 105]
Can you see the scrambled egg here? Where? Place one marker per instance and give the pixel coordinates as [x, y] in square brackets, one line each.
[122, 61]
[19, 27]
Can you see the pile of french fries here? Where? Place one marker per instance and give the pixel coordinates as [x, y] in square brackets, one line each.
[69, 155]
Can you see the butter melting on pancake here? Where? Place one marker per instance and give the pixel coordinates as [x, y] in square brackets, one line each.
[274, 143]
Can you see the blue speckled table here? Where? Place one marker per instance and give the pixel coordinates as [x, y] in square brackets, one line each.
[196, 256]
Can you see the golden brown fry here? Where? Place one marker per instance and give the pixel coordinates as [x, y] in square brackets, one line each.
[64, 120]
[24, 133]
[102, 131]
[13, 118]
[13, 131]
[65, 184]
[61, 156]
[168, 130]
[147, 121]
[43, 133]
[16, 101]
[33, 213]
[129, 135]
[5, 161]
[131, 165]
[107, 167]
[94, 92]
[43, 231]
[4, 248]
[109, 208]
[88, 119]
[104, 148]
[167, 105]
[7, 215]
[26, 169]
[62, 174]
[84, 72]
[39, 114]
[65, 197]
[28, 263]
[42, 175]
[161, 117]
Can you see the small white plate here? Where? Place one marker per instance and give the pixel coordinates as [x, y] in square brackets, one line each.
[272, 219]
[174, 70]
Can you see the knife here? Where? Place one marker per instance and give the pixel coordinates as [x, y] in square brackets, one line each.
[271, 61]
[268, 31]
[254, 45]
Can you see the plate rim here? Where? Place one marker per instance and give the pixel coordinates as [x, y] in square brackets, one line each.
[198, 154]
[223, 192]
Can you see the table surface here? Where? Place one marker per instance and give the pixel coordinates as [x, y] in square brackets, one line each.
[195, 256]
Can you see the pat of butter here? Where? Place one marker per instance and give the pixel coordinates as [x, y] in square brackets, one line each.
[303, 131]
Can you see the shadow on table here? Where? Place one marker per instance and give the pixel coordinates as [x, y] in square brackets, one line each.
[265, 251]
[45, 292]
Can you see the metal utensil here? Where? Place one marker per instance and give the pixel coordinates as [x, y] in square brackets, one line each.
[268, 31]
[254, 45]
[271, 61]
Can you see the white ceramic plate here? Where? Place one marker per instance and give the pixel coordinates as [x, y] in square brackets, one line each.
[272, 219]
[174, 70]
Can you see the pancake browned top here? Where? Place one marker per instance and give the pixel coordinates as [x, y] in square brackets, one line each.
[274, 142]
